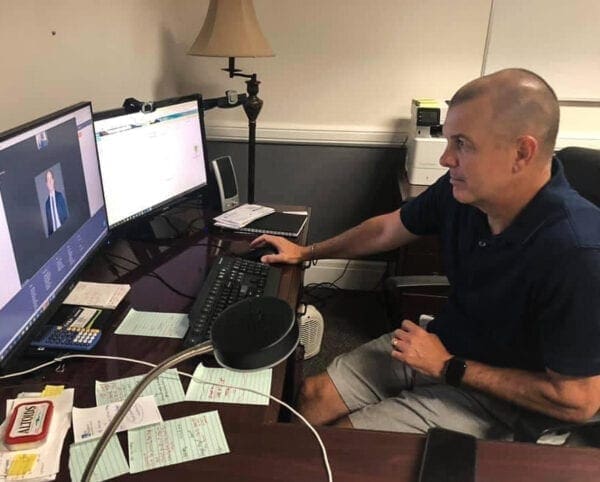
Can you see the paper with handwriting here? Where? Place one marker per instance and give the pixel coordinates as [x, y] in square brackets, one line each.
[167, 388]
[112, 462]
[176, 441]
[214, 391]
[148, 323]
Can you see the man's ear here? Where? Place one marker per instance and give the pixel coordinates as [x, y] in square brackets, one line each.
[526, 152]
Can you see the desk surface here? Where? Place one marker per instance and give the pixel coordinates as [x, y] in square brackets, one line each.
[261, 448]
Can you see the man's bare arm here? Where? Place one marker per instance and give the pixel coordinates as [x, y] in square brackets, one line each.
[377, 234]
[574, 399]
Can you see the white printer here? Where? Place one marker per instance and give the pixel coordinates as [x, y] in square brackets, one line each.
[425, 143]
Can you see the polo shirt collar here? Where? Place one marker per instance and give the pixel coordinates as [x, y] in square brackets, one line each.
[541, 209]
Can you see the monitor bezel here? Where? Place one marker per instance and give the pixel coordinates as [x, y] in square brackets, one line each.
[9, 361]
[178, 198]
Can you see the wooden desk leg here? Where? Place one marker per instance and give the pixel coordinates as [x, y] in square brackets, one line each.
[294, 376]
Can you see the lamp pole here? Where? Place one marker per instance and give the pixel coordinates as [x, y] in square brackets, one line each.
[252, 107]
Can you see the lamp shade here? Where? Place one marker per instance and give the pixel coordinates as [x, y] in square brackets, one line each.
[231, 30]
[254, 333]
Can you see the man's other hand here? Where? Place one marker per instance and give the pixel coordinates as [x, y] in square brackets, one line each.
[419, 349]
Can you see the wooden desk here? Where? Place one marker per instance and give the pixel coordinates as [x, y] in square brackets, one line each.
[261, 448]
[183, 264]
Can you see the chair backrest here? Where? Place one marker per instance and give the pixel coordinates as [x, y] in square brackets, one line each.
[582, 169]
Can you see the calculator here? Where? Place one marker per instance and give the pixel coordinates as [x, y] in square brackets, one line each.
[73, 330]
[67, 338]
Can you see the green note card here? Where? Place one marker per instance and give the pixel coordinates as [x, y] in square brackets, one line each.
[112, 462]
[146, 323]
[176, 441]
[166, 389]
[242, 387]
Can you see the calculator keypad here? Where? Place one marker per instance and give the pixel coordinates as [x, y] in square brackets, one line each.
[80, 339]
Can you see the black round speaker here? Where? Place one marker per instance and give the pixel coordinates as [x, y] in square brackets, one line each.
[254, 333]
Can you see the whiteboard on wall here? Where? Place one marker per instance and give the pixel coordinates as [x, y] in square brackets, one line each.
[557, 39]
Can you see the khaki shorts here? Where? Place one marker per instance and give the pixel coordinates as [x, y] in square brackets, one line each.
[382, 393]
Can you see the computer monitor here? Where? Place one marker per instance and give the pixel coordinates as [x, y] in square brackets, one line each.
[52, 218]
[151, 158]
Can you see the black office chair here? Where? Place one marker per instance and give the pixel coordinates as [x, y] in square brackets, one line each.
[582, 170]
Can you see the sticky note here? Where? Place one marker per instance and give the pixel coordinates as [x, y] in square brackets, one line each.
[52, 390]
[21, 465]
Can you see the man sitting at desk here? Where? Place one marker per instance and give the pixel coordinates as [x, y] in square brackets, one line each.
[521, 328]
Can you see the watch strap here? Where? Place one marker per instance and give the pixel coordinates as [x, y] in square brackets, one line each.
[454, 371]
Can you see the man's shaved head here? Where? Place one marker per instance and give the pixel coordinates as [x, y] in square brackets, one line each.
[522, 103]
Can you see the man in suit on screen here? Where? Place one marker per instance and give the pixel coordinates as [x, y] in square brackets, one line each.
[56, 205]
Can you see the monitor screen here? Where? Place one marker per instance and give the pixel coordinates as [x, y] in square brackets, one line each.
[52, 217]
[150, 159]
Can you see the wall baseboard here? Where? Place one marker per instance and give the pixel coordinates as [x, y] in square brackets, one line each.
[360, 275]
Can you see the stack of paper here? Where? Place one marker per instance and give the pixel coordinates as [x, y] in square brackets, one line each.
[39, 463]
[242, 215]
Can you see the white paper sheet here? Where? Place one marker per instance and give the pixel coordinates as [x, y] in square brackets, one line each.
[97, 295]
[242, 215]
[89, 423]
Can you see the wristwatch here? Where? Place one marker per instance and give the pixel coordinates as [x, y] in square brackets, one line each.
[454, 370]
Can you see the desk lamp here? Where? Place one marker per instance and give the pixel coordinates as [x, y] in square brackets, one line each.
[231, 30]
[253, 334]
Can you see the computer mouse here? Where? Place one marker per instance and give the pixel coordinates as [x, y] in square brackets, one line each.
[257, 253]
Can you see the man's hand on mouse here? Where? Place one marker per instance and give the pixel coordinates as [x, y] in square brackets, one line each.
[287, 252]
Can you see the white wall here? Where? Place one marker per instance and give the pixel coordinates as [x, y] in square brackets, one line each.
[344, 71]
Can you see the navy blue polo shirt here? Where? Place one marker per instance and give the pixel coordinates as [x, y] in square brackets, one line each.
[528, 297]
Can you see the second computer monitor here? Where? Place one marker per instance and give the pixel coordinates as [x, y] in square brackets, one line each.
[151, 159]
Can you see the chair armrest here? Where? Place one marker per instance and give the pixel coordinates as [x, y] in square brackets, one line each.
[398, 282]
[531, 427]
[393, 288]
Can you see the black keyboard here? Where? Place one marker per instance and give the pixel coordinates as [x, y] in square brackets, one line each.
[229, 280]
